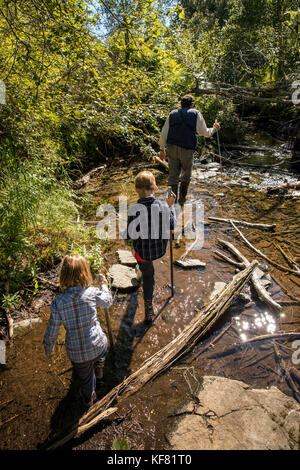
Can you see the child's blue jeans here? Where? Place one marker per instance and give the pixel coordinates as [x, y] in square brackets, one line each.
[86, 373]
[147, 270]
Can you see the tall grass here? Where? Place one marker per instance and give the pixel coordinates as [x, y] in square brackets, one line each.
[37, 218]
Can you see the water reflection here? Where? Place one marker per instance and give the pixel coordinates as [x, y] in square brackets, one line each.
[260, 323]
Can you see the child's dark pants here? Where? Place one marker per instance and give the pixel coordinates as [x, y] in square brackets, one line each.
[147, 270]
[88, 372]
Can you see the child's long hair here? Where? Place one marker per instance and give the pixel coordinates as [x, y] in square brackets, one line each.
[74, 271]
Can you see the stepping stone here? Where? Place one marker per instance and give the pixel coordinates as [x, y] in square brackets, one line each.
[124, 278]
[190, 263]
[126, 257]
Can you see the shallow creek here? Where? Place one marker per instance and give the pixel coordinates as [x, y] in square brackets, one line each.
[39, 397]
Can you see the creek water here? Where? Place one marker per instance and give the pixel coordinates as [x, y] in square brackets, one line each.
[39, 396]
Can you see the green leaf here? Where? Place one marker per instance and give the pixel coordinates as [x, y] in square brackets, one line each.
[120, 444]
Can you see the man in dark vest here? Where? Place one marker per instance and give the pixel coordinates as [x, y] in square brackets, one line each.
[179, 136]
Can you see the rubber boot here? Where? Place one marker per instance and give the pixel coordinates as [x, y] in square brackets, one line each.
[184, 186]
[149, 312]
[98, 367]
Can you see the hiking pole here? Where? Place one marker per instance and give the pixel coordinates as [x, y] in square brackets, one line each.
[170, 192]
[107, 312]
[171, 264]
[110, 335]
[219, 149]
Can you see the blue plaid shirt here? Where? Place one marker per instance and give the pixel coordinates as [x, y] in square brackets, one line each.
[76, 309]
[149, 227]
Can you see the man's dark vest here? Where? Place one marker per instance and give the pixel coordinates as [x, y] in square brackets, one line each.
[182, 129]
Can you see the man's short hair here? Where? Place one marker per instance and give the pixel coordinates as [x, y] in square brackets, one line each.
[187, 101]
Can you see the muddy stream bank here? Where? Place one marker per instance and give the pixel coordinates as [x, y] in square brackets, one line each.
[39, 397]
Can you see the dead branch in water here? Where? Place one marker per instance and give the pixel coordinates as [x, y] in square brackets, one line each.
[212, 343]
[286, 373]
[280, 335]
[245, 224]
[259, 253]
[165, 357]
[86, 178]
[261, 291]
[284, 288]
[289, 260]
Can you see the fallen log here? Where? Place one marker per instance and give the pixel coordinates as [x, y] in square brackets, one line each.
[165, 357]
[259, 253]
[261, 291]
[232, 93]
[266, 227]
[86, 178]
[161, 163]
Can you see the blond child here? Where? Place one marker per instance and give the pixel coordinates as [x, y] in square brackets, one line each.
[76, 308]
[149, 228]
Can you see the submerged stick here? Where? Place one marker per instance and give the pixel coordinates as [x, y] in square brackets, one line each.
[212, 343]
[286, 373]
[261, 291]
[166, 356]
[245, 224]
[280, 335]
[259, 253]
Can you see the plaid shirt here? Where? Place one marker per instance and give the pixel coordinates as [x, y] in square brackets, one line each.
[76, 309]
[150, 237]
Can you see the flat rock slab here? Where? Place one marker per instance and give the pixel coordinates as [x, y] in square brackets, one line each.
[233, 416]
[124, 278]
[190, 263]
[127, 258]
[26, 323]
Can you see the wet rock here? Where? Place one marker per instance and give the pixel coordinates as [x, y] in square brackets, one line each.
[245, 178]
[126, 257]
[231, 415]
[210, 174]
[124, 278]
[213, 165]
[218, 287]
[26, 323]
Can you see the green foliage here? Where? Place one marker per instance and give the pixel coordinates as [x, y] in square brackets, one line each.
[120, 444]
[87, 82]
[91, 254]
[10, 300]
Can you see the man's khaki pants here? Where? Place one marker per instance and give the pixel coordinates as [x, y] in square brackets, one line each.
[180, 164]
